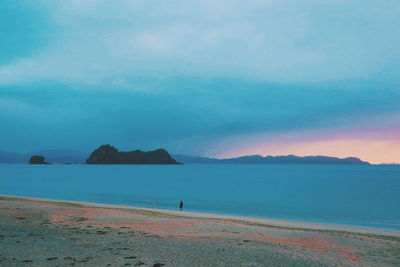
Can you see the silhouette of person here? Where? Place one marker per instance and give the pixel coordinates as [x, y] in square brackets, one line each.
[181, 205]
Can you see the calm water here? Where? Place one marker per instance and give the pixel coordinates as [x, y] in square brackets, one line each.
[343, 194]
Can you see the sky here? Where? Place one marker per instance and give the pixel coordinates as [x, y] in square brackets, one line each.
[210, 78]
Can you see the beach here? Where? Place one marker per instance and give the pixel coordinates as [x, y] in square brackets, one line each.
[44, 232]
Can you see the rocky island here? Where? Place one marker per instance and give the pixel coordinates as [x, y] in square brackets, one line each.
[107, 154]
[37, 159]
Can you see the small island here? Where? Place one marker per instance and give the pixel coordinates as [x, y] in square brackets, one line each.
[37, 159]
[107, 154]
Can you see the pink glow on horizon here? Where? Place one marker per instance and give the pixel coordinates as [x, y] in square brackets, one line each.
[373, 146]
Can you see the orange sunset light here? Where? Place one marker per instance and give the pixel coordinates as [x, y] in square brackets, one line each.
[373, 151]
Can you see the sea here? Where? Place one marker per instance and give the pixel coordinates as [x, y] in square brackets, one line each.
[358, 195]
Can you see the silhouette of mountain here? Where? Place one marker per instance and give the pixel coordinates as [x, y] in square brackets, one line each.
[63, 156]
[9, 157]
[257, 159]
[195, 159]
[38, 159]
[70, 156]
[107, 154]
[53, 156]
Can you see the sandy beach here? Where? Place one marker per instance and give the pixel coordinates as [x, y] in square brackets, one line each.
[43, 232]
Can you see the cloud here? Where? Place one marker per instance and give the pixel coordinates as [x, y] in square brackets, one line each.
[105, 43]
[13, 107]
[203, 76]
[196, 116]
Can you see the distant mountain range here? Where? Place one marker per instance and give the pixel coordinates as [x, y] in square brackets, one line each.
[71, 156]
[257, 159]
[52, 155]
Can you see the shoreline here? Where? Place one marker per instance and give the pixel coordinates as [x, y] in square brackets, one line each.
[50, 232]
[283, 224]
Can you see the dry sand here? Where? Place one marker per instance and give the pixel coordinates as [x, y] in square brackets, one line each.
[41, 232]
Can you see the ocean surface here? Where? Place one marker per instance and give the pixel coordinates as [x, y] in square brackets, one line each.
[363, 195]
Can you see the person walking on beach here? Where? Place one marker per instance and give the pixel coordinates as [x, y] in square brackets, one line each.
[181, 205]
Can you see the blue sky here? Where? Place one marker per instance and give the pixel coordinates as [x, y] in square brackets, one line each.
[199, 77]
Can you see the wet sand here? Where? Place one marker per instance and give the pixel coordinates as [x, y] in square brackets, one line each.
[40, 232]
